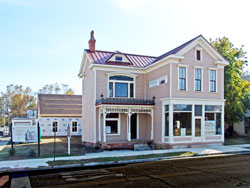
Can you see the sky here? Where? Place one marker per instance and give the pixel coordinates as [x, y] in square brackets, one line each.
[42, 41]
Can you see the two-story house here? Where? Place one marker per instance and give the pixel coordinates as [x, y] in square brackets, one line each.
[174, 100]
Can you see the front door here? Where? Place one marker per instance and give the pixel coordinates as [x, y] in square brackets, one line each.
[134, 126]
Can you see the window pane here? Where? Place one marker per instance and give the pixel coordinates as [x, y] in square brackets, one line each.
[121, 89]
[197, 127]
[112, 115]
[166, 108]
[198, 110]
[74, 126]
[213, 108]
[197, 73]
[182, 124]
[182, 72]
[110, 89]
[218, 123]
[118, 58]
[198, 55]
[182, 107]
[166, 124]
[112, 127]
[123, 78]
[54, 127]
[131, 90]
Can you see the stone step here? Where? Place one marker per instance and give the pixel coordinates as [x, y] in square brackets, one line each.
[141, 147]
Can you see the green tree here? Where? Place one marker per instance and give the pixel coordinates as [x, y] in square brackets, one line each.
[236, 90]
[17, 101]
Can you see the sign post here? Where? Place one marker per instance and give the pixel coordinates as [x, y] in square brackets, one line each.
[54, 145]
[68, 134]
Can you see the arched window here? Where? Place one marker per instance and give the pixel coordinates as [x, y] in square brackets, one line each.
[121, 86]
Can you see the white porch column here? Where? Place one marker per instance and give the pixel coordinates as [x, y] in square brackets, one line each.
[99, 125]
[152, 125]
[104, 125]
[203, 124]
[171, 125]
[129, 125]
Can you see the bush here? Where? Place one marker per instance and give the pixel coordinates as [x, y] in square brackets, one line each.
[32, 153]
[12, 151]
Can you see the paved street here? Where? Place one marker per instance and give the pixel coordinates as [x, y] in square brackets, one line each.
[3, 142]
[220, 171]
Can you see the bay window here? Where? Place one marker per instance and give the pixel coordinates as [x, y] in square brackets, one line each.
[121, 86]
[166, 120]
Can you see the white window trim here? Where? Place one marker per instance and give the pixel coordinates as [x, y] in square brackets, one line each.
[52, 126]
[184, 66]
[201, 78]
[216, 81]
[121, 81]
[118, 125]
[198, 49]
[76, 127]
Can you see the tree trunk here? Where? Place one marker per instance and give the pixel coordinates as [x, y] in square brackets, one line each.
[231, 129]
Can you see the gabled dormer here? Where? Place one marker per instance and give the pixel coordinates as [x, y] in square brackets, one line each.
[118, 57]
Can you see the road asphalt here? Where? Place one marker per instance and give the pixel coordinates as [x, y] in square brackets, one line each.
[207, 171]
[42, 162]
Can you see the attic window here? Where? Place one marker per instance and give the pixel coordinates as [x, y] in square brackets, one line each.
[118, 58]
[198, 55]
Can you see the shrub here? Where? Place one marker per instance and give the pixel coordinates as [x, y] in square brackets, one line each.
[12, 151]
[32, 153]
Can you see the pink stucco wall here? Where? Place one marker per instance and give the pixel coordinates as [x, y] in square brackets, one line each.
[88, 106]
[207, 62]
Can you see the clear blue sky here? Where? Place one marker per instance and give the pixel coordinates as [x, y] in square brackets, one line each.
[42, 41]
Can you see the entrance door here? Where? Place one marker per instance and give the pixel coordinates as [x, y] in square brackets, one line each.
[198, 129]
[134, 126]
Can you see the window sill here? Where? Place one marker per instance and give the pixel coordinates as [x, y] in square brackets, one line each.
[182, 90]
[113, 134]
[198, 91]
[213, 92]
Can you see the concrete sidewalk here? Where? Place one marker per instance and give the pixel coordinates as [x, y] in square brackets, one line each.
[36, 163]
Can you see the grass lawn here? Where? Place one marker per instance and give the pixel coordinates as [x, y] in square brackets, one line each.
[237, 140]
[107, 159]
[23, 150]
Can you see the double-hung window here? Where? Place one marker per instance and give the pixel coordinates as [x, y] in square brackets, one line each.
[212, 81]
[74, 126]
[54, 126]
[121, 86]
[182, 78]
[197, 82]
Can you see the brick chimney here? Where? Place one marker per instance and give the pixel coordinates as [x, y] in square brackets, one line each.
[92, 41]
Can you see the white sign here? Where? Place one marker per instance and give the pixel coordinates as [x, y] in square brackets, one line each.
[210, 128]
[24, 131]
[183, 131]
[108, 129]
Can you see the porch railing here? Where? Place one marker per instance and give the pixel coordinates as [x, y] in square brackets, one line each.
[125, 101]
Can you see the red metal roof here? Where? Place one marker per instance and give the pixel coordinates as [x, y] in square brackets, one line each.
[102, 57]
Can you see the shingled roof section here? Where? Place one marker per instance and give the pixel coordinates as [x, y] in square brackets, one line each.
[140, 61]
[60, 105]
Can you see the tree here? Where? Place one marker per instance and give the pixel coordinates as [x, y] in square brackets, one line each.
[16, 101]
[236, 90]
[56, 89]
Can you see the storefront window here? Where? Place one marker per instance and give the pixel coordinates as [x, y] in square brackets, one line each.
[166, 120]
[213, 123]
[182, 123]
[182, 107]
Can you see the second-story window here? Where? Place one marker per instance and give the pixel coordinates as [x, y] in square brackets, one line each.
[197, 82]
[121, 86]
[182, 78]
[212, 80]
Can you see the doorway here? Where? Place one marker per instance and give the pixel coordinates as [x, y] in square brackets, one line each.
[134, 126]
